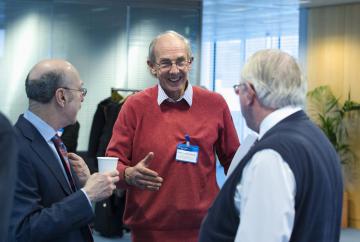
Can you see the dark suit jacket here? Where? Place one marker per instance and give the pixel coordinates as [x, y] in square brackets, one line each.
[44, 208]
[8, 153]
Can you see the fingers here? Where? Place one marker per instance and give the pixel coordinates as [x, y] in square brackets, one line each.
[75, 160]
[75, 163]
[113, 187]
[144, 184]
[74, 156]
[155, 179]
[149, 188]
[141, 181]
[115, 179]
[147, 159]
[147, 172]
[147, 175]
[113, 173]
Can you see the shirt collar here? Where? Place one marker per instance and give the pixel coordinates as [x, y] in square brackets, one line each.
[188, 94]
[275, 117]
[46, 131]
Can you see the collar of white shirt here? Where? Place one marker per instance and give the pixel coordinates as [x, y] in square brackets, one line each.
[188, 94]
[275, 117]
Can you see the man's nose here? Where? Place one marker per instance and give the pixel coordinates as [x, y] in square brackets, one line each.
[174, 68]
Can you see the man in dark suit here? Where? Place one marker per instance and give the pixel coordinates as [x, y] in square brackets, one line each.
[54, 189]
[8, 154]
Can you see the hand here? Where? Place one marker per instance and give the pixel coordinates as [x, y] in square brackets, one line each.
[142, 177]
[80, 167]
[101, 185]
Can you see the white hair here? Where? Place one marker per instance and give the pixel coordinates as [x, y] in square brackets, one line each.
[276, 78]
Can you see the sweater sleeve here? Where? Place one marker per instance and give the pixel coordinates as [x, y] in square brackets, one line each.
[228, 141]
[120, 144]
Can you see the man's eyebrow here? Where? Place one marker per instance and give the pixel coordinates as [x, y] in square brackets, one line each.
[167, 59]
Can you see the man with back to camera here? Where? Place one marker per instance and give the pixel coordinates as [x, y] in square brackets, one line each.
[288, 187]
[49, 204]
[170, 179]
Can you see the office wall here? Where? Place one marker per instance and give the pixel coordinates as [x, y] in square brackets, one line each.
[106, 40]
[333, 57]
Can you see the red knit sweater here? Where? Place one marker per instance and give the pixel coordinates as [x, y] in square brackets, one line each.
[188, 189]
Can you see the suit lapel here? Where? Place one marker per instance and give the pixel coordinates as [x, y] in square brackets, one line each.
[43, 151]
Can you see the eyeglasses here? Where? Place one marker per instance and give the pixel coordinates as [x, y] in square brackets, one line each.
[237, 88]
[82, 90]
[165, 65]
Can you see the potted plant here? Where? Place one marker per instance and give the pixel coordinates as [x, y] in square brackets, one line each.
[335, 120]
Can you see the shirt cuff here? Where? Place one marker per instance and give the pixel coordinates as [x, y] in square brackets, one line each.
[82, 189]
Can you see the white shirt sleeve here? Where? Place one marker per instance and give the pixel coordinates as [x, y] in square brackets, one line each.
[265, 199]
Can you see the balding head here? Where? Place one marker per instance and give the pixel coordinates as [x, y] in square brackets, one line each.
[168, 34]
[45, 77]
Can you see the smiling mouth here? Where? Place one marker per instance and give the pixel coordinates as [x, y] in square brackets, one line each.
[175, 79]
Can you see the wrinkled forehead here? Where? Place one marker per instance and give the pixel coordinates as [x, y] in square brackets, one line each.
[170, 47]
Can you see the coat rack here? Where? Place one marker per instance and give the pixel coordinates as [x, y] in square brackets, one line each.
[124, 90]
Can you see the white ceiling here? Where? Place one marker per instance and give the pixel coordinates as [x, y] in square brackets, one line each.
[224, 19]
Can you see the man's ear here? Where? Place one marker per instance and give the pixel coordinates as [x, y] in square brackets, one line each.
[60, 97]
[151, 67]
[250, 93]
[190, 63]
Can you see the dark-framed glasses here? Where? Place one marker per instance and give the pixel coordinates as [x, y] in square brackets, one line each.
[83, 90]
[166, 64]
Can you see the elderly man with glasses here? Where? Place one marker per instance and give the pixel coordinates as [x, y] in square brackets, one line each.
[167, 138]
[54, 190]
[288, 187]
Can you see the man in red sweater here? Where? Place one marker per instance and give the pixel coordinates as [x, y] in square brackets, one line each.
[166, 138]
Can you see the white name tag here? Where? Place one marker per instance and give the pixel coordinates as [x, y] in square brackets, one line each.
[187, 153]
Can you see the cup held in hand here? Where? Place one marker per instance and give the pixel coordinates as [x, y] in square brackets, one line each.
[107, 164]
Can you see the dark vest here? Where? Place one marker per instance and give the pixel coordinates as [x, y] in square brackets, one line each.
[319, 187]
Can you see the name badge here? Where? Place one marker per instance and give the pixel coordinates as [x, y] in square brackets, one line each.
[187, 153]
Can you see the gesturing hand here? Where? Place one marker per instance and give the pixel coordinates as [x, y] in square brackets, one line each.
[143, 177]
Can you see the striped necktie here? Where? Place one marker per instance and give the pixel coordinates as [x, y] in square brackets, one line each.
[61, 149]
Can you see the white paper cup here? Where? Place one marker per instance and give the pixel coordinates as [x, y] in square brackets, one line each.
[107, 164]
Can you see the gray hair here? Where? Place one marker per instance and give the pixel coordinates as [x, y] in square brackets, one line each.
[43, 89]
[151, 55]
[276, 77]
